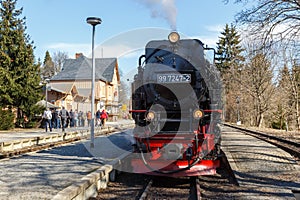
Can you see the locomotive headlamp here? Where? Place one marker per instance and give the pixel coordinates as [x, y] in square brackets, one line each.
[198, 114]
[173, 37]
[150, 116]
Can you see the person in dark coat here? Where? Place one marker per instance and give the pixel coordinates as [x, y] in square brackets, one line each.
[54, 118]
[98, 118]
[64, 115]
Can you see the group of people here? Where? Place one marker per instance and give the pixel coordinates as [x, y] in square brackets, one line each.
[54, 118]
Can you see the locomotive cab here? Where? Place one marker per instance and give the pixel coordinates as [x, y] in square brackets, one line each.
[176, 108]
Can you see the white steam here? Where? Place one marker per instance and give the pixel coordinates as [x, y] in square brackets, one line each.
[165, 9]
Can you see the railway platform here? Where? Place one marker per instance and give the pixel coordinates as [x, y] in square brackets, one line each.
[262, 170]
[45, 173]
[18, 134]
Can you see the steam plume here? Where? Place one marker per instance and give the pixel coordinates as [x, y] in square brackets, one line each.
[165, 9]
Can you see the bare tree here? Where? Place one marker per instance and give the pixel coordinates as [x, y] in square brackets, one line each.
[124, 92]
[272, 19]
[286, 101]
[257, 86]
[295, 79]
[283, 99]
[292, 87]
[59, 59]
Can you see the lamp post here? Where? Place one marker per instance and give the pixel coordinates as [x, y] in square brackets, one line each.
[47, 81]
[94, 21]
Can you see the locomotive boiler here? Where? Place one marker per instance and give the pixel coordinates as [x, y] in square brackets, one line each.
[176, 105]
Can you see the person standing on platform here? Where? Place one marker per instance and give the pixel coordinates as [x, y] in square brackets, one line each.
[54, 118]
[71, 115]
[64, 114]
[89, 117]
[104, 117]
[47, 118]
[57, 119]
[76, 124]
[80, 118]
[83, 116]
[98, 118]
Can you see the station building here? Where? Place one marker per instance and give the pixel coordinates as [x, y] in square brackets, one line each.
[71, 87]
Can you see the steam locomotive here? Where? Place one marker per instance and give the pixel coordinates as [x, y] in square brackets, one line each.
[176, 105]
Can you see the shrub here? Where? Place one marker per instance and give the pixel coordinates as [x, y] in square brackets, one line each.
[6, 119]
[276, 125]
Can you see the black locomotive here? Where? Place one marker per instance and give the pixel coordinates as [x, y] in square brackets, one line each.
[176, 105]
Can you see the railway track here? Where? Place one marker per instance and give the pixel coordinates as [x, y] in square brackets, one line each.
[172, 188]
[287, 145]
[143, 187]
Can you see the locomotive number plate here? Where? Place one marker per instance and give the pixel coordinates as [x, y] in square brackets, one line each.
[173, 78]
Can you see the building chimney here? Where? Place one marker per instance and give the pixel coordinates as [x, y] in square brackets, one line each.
[77, 55]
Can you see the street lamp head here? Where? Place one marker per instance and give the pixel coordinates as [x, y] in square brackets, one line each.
[93, 21]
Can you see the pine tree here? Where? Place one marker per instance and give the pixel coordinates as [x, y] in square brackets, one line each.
[19, 75]
[48, 69]
[229, 49]
[228, 61]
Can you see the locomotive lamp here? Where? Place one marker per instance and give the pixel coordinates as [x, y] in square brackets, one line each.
[150, 116]
[174, 37]
[198, 114]
[94, 21]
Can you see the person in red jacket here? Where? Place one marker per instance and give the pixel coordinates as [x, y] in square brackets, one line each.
[103, 117]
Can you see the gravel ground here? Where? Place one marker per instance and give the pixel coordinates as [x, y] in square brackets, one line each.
[129, 186]
[170, 188]
[291, 135]
[126, 186]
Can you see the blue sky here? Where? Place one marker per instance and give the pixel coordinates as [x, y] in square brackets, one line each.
[60, 25]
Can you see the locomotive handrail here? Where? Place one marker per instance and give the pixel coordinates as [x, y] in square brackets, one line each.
[140, 111]
[218, 111]
[211, 49]
[140, 59]
[137, 111]
[174, 120]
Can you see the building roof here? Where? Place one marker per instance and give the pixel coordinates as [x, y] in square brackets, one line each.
[84, 92]
[81, 69]
[62, 87]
